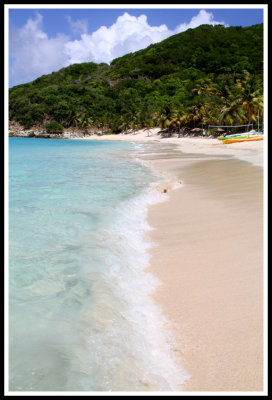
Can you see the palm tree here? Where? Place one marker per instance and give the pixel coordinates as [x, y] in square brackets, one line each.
[177, 120]
[232, 113]
[163, 121]
[250, 96]
[73, 118]
[194, 114]
[212, 114]
[149, 124]
[83, 121]
[206, 86]
[134, 123]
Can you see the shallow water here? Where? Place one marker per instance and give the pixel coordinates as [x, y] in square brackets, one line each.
[80, 313]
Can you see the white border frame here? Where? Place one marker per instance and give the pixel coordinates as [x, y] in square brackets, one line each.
[7, 7]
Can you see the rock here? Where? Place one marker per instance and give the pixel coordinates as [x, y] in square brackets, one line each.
[68, 135]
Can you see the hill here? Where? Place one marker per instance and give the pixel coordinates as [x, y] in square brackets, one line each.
[206, 75]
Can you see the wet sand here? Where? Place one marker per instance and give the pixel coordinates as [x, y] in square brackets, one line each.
[208, 255]
[208, 249]
[248, 151]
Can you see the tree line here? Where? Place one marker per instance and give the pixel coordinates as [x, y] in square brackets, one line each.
[204, 76]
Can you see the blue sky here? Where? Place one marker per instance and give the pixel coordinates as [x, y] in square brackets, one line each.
[43, 40]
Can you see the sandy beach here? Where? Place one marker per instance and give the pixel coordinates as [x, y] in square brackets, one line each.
[248, 151]
[208, 254]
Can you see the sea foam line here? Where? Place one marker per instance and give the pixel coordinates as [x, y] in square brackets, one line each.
[136, 286]
[127, 339]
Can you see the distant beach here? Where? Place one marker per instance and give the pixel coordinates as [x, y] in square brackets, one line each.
[248, 151]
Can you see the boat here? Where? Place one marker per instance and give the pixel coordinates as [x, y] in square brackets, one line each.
[239, 135]
[243, 139]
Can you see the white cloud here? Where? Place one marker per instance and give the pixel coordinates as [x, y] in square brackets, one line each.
[127, 34]
[33, 53]
[203, 17]
[79, 26]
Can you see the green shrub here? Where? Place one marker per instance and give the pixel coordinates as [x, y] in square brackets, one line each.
[27, 121]
[53, 127]
[110, 133]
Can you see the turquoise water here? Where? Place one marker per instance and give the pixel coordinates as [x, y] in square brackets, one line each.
[80, 313]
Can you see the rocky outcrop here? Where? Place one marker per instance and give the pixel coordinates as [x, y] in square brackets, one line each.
[42, 134]
[17, 130]
[22, 133]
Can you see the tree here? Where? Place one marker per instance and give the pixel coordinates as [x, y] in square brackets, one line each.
[250, 96]
[206, 87]
[194, 115]
[177, 120]
[156, 82]
[163, 121]
[150, 123]
[232, 114]
[83, 121]
[53, 127]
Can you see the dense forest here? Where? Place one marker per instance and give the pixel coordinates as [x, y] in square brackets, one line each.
[207, 75]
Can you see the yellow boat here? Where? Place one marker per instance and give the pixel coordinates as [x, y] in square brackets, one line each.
[244, 139]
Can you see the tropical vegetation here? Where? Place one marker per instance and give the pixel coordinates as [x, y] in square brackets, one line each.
[210, 75]
[53, 127]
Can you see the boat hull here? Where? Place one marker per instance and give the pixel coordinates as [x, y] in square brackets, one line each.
[246, 139]
[238, 136]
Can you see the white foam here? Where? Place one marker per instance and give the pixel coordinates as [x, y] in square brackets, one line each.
[146, 316]
[128, 335]
[124, 344]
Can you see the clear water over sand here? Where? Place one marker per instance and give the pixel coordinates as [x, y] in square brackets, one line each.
[80, 314]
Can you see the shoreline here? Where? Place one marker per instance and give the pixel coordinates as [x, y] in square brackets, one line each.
[233, 311]
[215, 314]
[248, 151]
[193, 211]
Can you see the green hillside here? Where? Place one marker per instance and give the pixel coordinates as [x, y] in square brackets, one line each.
[206, 75]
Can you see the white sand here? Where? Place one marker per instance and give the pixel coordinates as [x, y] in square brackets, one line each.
[208, 255]
[248, 151]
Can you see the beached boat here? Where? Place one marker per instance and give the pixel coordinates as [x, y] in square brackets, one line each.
[239, 135]
[243, 139]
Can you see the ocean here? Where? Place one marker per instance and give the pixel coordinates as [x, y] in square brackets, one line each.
[81, 317]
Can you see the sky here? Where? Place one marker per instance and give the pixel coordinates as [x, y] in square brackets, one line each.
[43, 40]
